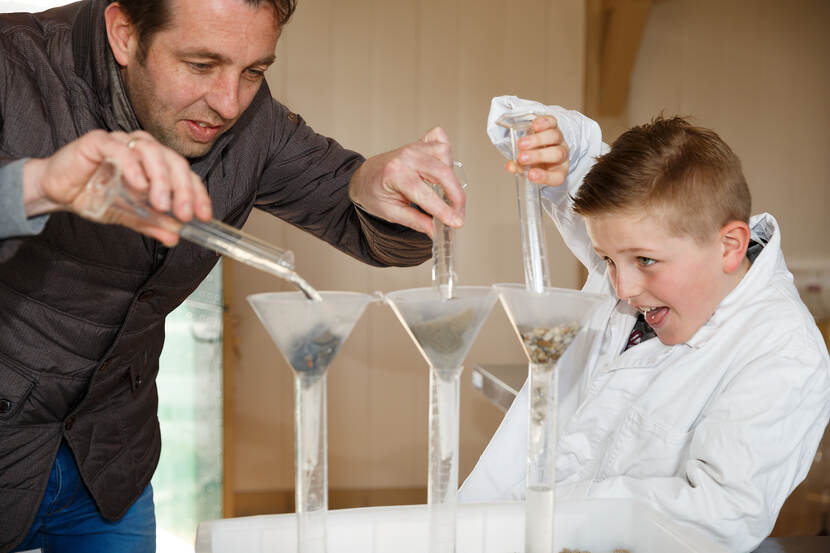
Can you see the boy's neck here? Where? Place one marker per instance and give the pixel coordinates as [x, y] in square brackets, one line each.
[738, 275]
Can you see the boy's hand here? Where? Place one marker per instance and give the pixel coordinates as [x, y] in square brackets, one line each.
[544, 153]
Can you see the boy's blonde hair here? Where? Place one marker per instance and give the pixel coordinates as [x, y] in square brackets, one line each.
[673, 169]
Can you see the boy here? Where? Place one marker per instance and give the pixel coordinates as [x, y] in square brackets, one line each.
[708, 389]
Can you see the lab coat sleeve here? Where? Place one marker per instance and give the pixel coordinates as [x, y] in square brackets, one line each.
[500, 471]
[750, 449]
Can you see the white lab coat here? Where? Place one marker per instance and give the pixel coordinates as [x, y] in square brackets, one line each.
[715, 432]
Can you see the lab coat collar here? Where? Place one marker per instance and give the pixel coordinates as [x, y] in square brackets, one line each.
[646, 355]
[764, 229]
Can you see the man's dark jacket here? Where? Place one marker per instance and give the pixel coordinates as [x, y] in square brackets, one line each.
[82, 305]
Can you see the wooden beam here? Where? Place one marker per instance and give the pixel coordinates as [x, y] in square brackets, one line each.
[623, 23]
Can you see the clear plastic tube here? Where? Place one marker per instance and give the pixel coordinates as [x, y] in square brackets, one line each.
[442, 490]
[534, 246]
[444, 277]
[110, 200]
[311, 476]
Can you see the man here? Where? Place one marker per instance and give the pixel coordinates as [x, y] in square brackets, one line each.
[84, 305]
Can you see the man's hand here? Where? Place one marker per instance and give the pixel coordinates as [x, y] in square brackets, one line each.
[544, 153]
[387, 184]
[58, 183]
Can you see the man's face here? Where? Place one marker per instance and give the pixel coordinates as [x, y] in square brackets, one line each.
[676, 281]
[202, 72]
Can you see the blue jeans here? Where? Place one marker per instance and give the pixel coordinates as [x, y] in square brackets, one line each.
[68, 520]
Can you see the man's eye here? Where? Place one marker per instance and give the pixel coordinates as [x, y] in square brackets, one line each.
[646, 261]
[608, 261]
[201, 67]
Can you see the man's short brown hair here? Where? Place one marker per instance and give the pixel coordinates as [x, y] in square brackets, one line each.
[151, 16]
[672, 168]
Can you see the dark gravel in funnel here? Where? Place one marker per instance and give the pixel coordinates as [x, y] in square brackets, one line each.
[313, 353]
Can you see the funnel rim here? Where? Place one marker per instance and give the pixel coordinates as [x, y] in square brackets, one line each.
[432, 288]
[291, 293]
[548, 289]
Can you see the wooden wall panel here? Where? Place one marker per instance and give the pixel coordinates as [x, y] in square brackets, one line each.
[757, 73]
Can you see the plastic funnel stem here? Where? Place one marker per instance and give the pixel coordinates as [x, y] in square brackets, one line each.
[442, 492]
[311, 481]
[539, 520]
[541, 457]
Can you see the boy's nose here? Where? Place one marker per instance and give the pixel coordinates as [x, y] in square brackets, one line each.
[626, 284]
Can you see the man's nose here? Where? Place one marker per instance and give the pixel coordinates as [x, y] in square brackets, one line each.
[223, 97]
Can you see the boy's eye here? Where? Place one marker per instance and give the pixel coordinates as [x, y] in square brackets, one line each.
[608, 261]
[646, 261]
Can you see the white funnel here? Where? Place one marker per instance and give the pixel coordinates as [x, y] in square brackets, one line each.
[309, 335]
[546, 323]
[444, 331]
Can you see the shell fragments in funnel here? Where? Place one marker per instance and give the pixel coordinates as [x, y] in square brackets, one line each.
[309, 333]
[548, 322]
[443, 330]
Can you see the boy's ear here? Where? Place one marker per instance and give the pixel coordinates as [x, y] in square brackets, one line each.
[734, 237]
[120, 33]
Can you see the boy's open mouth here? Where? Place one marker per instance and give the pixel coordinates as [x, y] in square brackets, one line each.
[654, 315]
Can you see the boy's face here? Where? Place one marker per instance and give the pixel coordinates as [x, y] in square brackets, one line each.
[201, 72]
[676, 282]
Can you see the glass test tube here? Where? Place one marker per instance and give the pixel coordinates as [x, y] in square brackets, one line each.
[110, 201]
[542, 378]
[534, 246]
[444, 277]
[442, 490]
